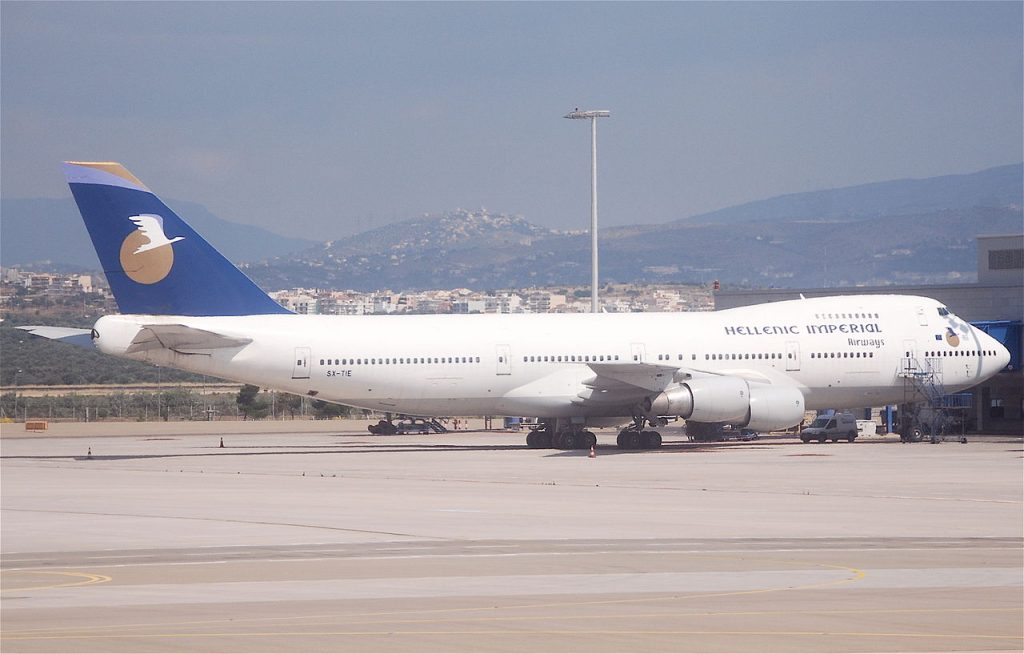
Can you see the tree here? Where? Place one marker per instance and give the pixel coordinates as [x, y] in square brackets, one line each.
[328, 410]
[250, 404]
[8, 402]
[291, 403]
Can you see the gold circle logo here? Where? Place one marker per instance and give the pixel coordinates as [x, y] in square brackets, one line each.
[952, 338]
[146, 267]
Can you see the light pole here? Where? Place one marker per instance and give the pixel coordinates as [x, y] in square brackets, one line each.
[16, 374]
[592, 115]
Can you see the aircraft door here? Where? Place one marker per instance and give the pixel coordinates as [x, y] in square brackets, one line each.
[302, 363]
[504, 358]
[792, 355]
[638, 352]
[909, 362]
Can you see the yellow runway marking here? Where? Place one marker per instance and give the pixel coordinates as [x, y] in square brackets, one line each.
[448, 615]
[85, 579]
[857, 575]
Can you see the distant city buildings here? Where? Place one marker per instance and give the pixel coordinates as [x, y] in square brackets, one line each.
[615, 298]
[21, 288]
[28, 288]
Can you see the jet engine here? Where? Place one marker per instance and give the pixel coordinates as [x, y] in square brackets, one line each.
[774, 407]
[709, 399]
[731, 400]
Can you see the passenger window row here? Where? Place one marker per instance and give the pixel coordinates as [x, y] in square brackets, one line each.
[588, 358]
[570, 358]
[842, 355]
[776, 356]
[390, 361]
[960, 353]
[845, 316]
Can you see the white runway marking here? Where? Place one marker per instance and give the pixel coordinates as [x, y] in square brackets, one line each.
[513, 585]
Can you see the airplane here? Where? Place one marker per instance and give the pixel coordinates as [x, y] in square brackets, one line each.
[184, 305]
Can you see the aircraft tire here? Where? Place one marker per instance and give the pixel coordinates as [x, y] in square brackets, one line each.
[538, 439]
[635, 441]
[651, 440]
[588, 440]
[564, 441]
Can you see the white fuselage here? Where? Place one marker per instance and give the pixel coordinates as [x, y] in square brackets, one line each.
[842, 352]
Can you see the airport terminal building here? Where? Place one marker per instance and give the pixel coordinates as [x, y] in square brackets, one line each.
[995, 304]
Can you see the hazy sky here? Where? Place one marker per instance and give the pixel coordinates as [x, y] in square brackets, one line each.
[318, 119]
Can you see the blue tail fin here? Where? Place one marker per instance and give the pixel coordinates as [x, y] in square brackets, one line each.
[156, 263]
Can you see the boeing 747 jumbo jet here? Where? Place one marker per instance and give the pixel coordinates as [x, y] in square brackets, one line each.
[185, 306]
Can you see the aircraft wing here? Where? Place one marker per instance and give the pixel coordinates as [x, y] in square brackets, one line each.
[71, 335]
[181, 338]
[646, 376]
[628, 383]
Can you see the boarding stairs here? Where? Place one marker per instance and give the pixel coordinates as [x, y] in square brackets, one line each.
[935, 412]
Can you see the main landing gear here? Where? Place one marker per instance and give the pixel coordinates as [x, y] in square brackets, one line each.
[635, 437]
[565, 435]
[561, 436]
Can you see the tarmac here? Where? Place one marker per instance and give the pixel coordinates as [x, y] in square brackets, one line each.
[318, 537]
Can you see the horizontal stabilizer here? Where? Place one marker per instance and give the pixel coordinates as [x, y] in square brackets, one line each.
[71, 335]
[181, 338]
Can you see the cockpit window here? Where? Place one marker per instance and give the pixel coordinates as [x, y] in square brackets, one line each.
[943, 311]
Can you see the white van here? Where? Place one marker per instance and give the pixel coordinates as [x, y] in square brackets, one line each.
[834, 427]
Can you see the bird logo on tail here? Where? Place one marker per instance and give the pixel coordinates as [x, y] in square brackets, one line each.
[146, 255]
[152, 227]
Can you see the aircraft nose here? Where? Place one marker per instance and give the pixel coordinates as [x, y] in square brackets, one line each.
[1002, 356]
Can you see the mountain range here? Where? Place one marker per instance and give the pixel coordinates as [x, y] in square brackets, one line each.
[895, 232]
[993, 187]
[43, 234]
